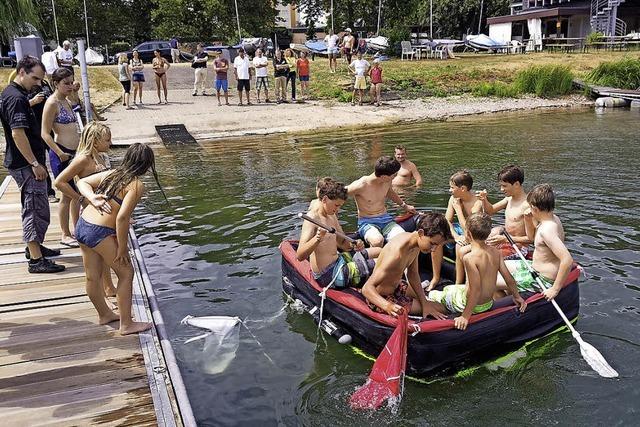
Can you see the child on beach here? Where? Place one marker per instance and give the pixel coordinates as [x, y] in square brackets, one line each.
[386, 290]
[371, 193]
[514, 204]
[102, 231]
[376, 82]
[551, 258]
[221, 68]
[90, 159]
[360, 69]
[462, 204]
[482, 264]
[350, 268]
[303, 74]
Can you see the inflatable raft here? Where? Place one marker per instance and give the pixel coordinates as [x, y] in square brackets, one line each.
[434, 345]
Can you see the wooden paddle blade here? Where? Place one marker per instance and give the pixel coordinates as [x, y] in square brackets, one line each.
[596, 360]
[387, 375]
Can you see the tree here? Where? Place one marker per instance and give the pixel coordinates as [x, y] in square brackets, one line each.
[14, 17]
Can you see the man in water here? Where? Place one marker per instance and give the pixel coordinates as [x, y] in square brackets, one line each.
[408, 169]
[371, 192]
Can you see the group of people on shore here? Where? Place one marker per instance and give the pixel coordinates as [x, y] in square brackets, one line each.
[383, 262]
[97, 202]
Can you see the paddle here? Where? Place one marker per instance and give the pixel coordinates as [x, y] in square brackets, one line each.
[589, 352]
[386, 379]
[331, 230]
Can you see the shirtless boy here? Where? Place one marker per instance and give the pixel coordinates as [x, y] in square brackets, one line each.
[462, 204]
[386, 291]
[408, 169]
[551, 258]
[371, 192]
[514, 204]
[328, 266]
[482, 264]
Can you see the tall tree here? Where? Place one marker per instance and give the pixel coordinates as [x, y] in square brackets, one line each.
[14, 17]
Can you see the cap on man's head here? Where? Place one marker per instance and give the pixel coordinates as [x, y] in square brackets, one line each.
[348, 30]
[376, 61]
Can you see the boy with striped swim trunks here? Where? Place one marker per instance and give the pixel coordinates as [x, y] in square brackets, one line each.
[482, 264]
[371, 192]
[349, 268]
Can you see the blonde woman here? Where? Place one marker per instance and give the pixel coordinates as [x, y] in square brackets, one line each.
[58, 117]
[124, 75]
[138, 76]
[90, 158]
[160, 67]
[291, 75]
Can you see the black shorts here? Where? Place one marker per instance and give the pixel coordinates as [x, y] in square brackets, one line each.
[244, 84]
[126, 85]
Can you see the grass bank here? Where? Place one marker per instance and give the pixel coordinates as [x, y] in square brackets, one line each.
[467, 75]
[105, 88]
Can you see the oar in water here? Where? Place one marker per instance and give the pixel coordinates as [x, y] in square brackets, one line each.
[386, 380]
[589, 352]
[331, 230]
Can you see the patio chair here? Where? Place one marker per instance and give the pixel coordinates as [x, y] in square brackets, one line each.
[439, 51]
[517, 46]
[407, 50]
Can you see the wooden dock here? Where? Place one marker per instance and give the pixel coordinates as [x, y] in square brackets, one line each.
[57, 365]
[627, 94]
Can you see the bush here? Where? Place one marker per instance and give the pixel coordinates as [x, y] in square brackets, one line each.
[622, 74]
[499, 89]
[117, 47]
[545, 81]
[594, 37]
[395, 36]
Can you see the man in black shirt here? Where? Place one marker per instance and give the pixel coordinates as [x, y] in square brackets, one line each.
[199, 65]
[25, 160]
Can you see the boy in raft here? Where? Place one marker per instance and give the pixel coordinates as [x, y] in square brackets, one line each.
[462, 204]
[514, 204]
[551, 258]
[482, 264]
[371, 192]
[386, 291]
[346, 269]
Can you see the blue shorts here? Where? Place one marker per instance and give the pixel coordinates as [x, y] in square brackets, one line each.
[304, 78]
[333, 50]
[460, 231]
[57, 165]
[222, 85]
[383, 223]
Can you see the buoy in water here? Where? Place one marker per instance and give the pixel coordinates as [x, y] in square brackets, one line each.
[611, 102]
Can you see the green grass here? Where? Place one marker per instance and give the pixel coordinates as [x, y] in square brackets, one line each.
[545, 81]
[623, 74]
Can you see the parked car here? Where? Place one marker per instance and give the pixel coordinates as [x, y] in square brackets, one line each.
[145, 50]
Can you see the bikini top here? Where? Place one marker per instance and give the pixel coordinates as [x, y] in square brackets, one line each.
[64, 117]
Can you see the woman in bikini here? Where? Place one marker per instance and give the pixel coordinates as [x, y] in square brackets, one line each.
[137, 75]
[160, 67]
[90, 159]
[102, 231]
[58, 116]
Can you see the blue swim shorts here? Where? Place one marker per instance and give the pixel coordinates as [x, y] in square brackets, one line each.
[351, 269]
[222, 85]
[304, 78]
[383, 223]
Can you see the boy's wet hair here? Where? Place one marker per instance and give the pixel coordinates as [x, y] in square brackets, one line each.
[479, 225]
[401, 147]
[331, 188]
[461, 178]
[386, 165]
[433, 224]
[511, 174]
[542, 197]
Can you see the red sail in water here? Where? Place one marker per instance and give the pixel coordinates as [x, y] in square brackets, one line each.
[386, 378]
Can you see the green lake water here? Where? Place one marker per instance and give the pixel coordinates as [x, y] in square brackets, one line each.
[214, 251]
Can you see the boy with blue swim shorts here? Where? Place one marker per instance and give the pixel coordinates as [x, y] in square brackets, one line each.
[353, 265]
[371, 192]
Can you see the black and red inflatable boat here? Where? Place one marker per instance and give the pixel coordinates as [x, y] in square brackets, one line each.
[435, 345]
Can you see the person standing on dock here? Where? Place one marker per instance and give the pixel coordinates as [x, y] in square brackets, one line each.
[25, 160]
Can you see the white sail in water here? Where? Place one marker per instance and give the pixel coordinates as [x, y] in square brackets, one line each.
[219, 344]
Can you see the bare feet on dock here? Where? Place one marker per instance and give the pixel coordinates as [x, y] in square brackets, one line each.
[111, 317]
[134, 328]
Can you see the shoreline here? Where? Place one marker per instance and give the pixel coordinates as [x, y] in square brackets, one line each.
[322, 116]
